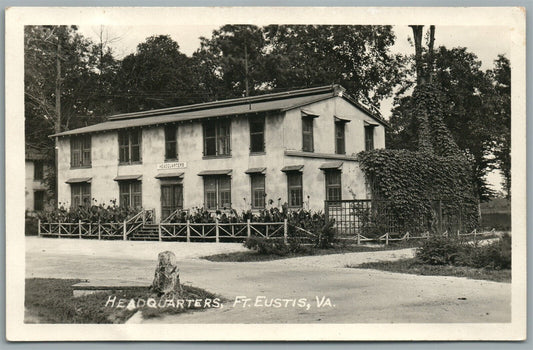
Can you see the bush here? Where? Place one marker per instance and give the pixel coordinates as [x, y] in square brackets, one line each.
[440, 250]
[496, 255]
[266, 246]
[30, 226]
[94, 213]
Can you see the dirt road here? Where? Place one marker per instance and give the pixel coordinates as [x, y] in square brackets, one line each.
[298, 285]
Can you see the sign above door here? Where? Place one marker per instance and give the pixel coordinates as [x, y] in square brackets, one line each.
[172, 165]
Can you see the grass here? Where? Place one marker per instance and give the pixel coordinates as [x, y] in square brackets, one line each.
[413, 266]
[252, 255]
[50, 300]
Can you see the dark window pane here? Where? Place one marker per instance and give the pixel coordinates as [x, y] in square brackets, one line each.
[294, 182]
[369, 138]
[38, 200]
[307, 134]
[258, 191]
[333, 185]
[257, 135]
[135, 153]
[170, 142]
[210, 146]
[339, 138]
[38, 170]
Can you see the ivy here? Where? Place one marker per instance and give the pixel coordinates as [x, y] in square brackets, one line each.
[410, 181]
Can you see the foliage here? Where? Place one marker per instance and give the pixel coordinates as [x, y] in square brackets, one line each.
[30, 226]
[442, 250]
[266, 246]
[473, 105]
[94, 213]
[409, 181]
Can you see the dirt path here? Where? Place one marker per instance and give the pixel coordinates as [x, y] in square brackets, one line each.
[356, 295]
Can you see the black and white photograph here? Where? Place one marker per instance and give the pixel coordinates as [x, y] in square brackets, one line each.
[265, 173]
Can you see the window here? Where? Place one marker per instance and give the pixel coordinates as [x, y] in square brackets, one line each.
[80, 151]
[38, 170]
[294, 185]
[38, 200]
[171, 143]
[339, 138]
[130, 194]
[307, 134]
[258, 190]
[129, 146]
[217, 192]
[217, 138]
[80, 194]
[257, 135]
[369, 138]
[333, 185]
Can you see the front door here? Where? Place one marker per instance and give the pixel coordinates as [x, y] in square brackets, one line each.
[171, 199]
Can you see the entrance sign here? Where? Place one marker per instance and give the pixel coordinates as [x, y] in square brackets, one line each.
[173, 165]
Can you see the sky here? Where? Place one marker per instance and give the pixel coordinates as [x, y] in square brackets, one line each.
[487, 42]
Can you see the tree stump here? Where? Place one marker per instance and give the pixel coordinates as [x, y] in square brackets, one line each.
[167, 278]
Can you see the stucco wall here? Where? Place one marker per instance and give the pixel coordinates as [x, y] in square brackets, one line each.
[282, 132]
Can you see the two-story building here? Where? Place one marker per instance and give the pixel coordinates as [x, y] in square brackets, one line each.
[36, 168]
[295, 147]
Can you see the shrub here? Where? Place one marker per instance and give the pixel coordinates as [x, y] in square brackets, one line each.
[496, 255]
[94, 213]
[30, 226]
[266, 246]
[440, 250]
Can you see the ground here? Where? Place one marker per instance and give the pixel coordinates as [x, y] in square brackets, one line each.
[356, 295]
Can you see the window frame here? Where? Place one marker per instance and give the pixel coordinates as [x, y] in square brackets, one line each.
[262, 121]
[338, 126]
[253, 187]
[130, 193]
[327, 175]
[42, 200]
[218, 125]
[309, 133]
[299, 187]
[128, 133]
[218, 191]
[171, 129]
[77, 190]
[38, 170]
[82, 146]
[369, 138]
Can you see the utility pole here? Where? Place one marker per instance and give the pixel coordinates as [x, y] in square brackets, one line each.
[58, 115]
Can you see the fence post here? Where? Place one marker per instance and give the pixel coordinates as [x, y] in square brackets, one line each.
[159, 231]
[248, 231]
[124, 231]
[39, 227]
[285, 231]
[79, 229]
[216, 230]
[358, 238]
[188, 231]
[387, 238]
[99, 233]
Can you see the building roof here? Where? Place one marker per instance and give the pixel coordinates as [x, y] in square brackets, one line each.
[282, 101]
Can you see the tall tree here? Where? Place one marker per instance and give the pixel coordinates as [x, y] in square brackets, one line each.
[157, 75]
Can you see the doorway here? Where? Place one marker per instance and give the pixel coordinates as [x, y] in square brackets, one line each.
[171, 199]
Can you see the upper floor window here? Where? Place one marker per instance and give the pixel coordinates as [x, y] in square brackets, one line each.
[38, 170]
[333, 185]
[129, 146]
[130, 194]
[217, 192]
[369, 138]
[307, 134]
[80, 151]
[258, 190]
[257, 134]
[80, 194]
[217, 137]
[340, 143]
[171, 143]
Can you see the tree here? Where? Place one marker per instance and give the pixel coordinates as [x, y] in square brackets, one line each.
[468, 100]
[157, 75]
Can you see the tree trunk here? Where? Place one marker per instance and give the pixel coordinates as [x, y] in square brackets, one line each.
[417, 35]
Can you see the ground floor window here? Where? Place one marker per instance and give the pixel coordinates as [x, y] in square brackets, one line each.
[80, 194]
[333, 185]
[130, 194]
[258, 190]
[217, 192]
[38, 200]
[294, 185]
